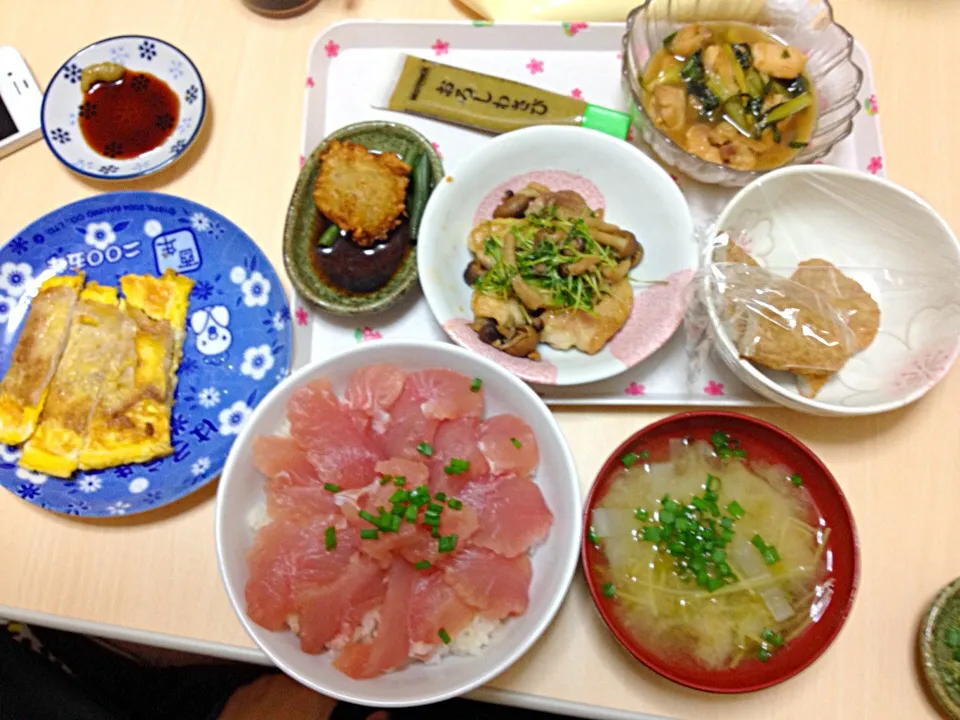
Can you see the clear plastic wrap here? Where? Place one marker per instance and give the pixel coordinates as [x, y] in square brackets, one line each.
[812, 277]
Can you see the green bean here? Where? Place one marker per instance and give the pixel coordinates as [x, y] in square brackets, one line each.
[419, 193]
[329, 236]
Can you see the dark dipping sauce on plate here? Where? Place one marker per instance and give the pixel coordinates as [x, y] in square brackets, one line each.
[356, 269]
[128, 117]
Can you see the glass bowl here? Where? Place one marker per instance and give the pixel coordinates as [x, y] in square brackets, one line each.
[806, 24]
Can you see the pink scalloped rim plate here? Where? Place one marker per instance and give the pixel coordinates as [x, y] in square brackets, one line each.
[634, 192]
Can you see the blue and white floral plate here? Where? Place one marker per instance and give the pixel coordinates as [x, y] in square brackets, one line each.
[63, 103]
[237, 347]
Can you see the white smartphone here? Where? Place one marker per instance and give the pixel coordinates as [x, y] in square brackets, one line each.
[20, 101]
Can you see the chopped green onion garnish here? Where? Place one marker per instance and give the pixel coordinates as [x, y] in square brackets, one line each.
[952, 638]
[385, 479]
[516, 443]
[447, 543]
[400, 496]
[713, 483]
[592, 536]
[796, 144]
[422, 565]
[435, 532]
[726, 523]
[763, 655]
[770, 555]
[758, 543]
[630, 459]
[454, 504]
[718, 556]
[431, 519]
[435, 508]
[399, 481]
[369, 517]
[714, 584]
[726, 535]
[456, 466]
[676, 548]
[735, 509]
[641, 514]
[651, 533]
[444, 635]
[330, 538]
[956, 655]
[331, 487]
[719, 439]
[644, 454]
[772, 637]
[410, 514]
[609, 590]
[369, 534]
[440, 497]
[740, 453]
[796, 480]
[666, 517]
[425, 449]
[476, 384]
[672, 506]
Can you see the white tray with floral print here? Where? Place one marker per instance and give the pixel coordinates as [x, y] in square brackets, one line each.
[350, 61]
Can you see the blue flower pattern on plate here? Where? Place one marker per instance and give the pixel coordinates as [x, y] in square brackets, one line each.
[148, 50]
[237, 346]
[62, 108]
[72, 73]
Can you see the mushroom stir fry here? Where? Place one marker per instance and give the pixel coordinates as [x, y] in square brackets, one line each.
[549, 269]
[731, 94]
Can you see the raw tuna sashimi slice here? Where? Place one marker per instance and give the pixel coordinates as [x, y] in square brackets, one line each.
[328, 610]
[456, 439]
[509, 445]
[275, 456]
[496, 585]
[373, 390]
[408, 427]
[340, 452]
[436, 606]
[413, 471]
[462, 523]
[390, 649]
[288, 555]
[513, 514]
[445, 394]
[286, 500]
[388, 544]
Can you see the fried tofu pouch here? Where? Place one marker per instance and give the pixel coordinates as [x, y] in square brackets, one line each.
[362, 192]
[98, 336]
[856, 306]
[23, 391]
[131, 423]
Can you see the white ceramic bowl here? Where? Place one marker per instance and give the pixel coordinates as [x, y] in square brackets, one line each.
[885, 237]
[636, 194]
[554, 561]
[62, 102]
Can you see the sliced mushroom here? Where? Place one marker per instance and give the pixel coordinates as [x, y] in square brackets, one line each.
[615, 274]
[510, 250]
[579, 267]
[618, 243]
[512, 206]
[473, 273]
[531, 298]
[569, 205]
[522, 343]
[486, 329]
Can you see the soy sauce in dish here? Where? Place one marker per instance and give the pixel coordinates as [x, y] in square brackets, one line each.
[357, 269]
[128, 117]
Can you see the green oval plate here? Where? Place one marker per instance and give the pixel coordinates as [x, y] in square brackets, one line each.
[303, 218]
[940, 670]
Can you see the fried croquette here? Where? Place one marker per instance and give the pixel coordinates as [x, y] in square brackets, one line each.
[361, 191]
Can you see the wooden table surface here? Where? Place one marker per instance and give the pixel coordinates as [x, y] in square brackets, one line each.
[158, 573]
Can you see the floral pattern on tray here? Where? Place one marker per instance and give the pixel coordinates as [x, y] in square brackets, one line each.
[237, 346]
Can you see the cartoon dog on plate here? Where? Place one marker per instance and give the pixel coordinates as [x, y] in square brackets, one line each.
[211, 325]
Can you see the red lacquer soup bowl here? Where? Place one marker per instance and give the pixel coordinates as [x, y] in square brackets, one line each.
[770, 446]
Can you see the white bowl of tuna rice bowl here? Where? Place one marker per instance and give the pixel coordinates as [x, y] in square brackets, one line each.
[398, 524]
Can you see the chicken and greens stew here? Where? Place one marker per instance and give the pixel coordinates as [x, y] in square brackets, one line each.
[731, 94]
[549, 269]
